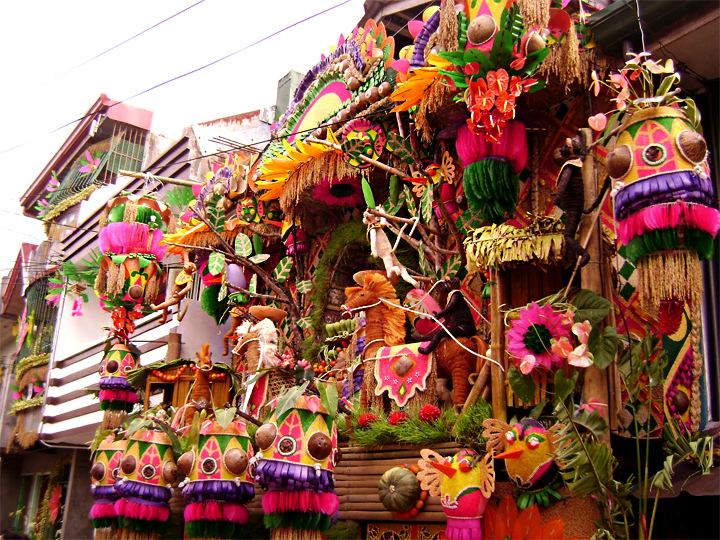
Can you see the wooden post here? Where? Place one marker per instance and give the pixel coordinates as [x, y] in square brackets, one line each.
[173, 346]
[595, 385]
[497, 346]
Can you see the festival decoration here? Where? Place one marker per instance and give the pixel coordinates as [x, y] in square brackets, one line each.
[297, 455]
[399, 491]
[103, 475]
[117, 396]
[464, 483]
[147, 470]
[181, 287]
[218, 482]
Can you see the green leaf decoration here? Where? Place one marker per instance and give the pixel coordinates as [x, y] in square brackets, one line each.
[409, 201]
[426, 204]
[287, 399]
[257, 243]
[243, 245]
[603, 346]
[225, 416]
[590, 306]
[282, 270]
[522, 385]
[216, 263]
[422, 260]
[190, 439]
[136, 424]
[450, 267]
[367, 193]
[304, 323]
[260, 258]
[394, 189]
[328, 396]
[563, 385]
[223, 292]
[537, 410]
[304, 286]
[354, 148]
[252, 286]
[400, 147]
[215, 214]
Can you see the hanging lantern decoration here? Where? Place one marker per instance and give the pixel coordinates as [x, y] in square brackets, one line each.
[295, 463]
[117, 396]
[218, 482]
[490, 179]
[130, 276]
[664, 204]
[103, 474]
[146, 471]
[464, 483]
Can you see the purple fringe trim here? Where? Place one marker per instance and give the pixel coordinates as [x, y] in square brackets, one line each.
[146, 492]
[663, 188]
[430, 27]
[282, 475]
[218, 490]
[104, 492]
[115, 383]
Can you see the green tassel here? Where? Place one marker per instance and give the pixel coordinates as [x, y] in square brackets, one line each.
[491, 188]
[212, 529]
[104, 523]
[664, 239]
[314, 521]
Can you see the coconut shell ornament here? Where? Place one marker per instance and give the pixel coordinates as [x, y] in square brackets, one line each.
[103, 474]
[117, 396]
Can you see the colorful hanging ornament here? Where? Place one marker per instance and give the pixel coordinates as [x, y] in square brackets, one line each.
[664, 204]
[295, 463]
[117, 396]
[218, 481]
[146, 472]
[464, 483]
[103, 474]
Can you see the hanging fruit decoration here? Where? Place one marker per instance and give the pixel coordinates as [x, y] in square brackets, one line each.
[117, 396]
[218, 482]
[295, 463]
[146, 471]
[103, 474]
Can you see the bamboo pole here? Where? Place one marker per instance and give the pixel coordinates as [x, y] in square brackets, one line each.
[163, 179]
[497, 347]
[595, 386]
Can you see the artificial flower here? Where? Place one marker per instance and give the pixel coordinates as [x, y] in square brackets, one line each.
[533, 332]
[77, 307]
[622, 98]
[619, 81]
[397, 417]
[657, 69]
[472, 68]
[597, 122]
[366, 419]
[527, 364]
[636, 57]
[595, 84]
[562, 347]
[90, 163]
[429, 413]
[592, 405]
[582, 331]
[580, 357]
[568, 317]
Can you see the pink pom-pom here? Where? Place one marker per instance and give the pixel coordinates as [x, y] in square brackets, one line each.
[102, 510]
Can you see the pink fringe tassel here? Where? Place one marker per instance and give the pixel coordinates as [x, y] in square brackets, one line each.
[512, 146]
[118, 395]
[145, 512]
[122, 238]
[669, 216]
[463, 529]
[217, 511]
[102, 510]
[300, 501]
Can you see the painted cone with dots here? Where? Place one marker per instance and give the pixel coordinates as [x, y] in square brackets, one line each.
[218, 481]
[103, 474]
[117, 396]
[295, 464]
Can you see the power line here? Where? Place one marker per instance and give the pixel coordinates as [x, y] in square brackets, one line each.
[183, 75]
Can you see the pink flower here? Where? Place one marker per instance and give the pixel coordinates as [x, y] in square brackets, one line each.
[618, 80]
[77, 307]
[636, 57]
[568, 318]
[597, 122]
[527, 364]
[303, 363]
[562, 347]
[595, 84]
[622, 98]
[582, 331]
[580, 357]
[532, 334]
[655, 68]
[90, 163]
[592, 405]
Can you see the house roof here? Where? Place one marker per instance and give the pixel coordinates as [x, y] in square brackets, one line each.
[114, 110]
[12, 292]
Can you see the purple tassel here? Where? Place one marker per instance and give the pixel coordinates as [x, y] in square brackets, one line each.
[220, 490]
[146, 492]
[104, 492]
[279, 475]
[430, 27]
[115, 383]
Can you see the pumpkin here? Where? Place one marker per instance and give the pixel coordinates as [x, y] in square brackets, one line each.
[399, 489]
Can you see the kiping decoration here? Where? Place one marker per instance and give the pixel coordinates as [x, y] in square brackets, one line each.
[181, 287]
[527, 448]
[103, 474]
[398, 368]
[117, 396]
[217, 481]
[297, 454]
[464, 483]
[130, 276]
[146, 472]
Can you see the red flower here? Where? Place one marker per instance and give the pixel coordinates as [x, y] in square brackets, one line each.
[505, 104]
[497, 81]
[472, 68]
[365, 419]
[397, 417]
[429, 413]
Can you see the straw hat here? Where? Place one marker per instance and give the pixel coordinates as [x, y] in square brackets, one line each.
[268, 312]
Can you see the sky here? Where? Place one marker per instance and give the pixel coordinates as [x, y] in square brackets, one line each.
[47, 81]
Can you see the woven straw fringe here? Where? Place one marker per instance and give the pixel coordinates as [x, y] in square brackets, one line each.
[130, 214]
[126, 534]
[563, 61]
[697, 369]
[535, 12]
[116, 286]
[112, 419]
[106, 533]
[310, 174]
[438, 96]
[100, 281]
[669, 275]
[152, 288]
[295, 534]
[446, 37]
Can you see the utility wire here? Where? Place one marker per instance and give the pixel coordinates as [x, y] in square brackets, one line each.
[182, 75]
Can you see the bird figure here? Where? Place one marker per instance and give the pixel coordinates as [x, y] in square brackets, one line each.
[528, 450]
[464, 483]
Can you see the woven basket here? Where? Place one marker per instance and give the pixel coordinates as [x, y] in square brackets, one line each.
[277, 379]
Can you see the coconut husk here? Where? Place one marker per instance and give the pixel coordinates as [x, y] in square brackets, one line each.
[276, 315]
